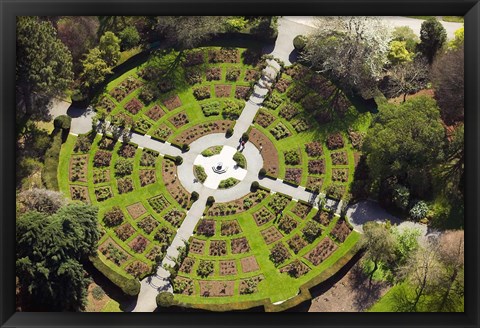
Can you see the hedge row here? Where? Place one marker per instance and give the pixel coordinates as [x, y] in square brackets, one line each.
[131, 287]
[50, 168]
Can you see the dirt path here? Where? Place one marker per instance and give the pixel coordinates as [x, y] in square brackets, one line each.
[350, 294]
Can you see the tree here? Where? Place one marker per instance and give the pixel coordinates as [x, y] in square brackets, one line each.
[43, 68]
[130, 37]
[447, 75]
[79, 34]
[399, 53]
[165, 299]
[109, 47]
[405, 143]
[458, 41]
[40, 200]
[95, 69]
[405, 33]
[406, 242]
[405, 78]
[49, 250]
[452, 170]
[451, 254]
[378, 243]
[352, 49]
[432, 38]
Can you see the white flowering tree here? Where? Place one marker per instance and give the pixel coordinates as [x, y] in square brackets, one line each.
[352, 49]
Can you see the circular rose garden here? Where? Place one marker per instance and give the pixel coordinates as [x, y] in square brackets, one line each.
[256, 243]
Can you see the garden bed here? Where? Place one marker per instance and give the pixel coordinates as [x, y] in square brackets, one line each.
[172, 102]
[271, 235]
[197, 246]
[179, 120]
[323, 250]
[155, 113]
[249, 264]
[263, 216]
[341, 231]
[191, 134]
[240, 245]
[263, 118]
[238, 205]
[136, 210]
[173, 184]
[223, 90]
[228, 268]
[209, 288]
[78, 168]
[269, 152]
[295, 269]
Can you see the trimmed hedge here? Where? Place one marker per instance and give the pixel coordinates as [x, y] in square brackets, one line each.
[130, 287]
[62, 122]
[300, 42]
[50, 168]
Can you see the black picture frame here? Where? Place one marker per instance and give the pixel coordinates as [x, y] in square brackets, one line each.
[10, 9]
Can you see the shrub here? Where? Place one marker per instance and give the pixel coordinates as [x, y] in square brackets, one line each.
[419, 210]
[129, 36]
[262, 172]
[299, 42]
[178, 160]
[211, 108]
[205, 268]
[335, 141]
[98, 293]
[102, 158]
[279, 254]
[240, 159]
[227, 183]
[292, 157]
[62, 122]
[83, 143]
[311, 231]
[123, 166]
[185, 147]
[245, 136]
[232, 74]
[130, 287]
[146, 95]
[401, 196]
[231, 110]
[229, 132]
[194, 196]
[255, 185]
[200, 173]
[201, 93]
[49, 171]
[210, 200]
[113, 217]
[165, 299]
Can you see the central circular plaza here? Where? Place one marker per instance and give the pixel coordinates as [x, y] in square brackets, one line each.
[219, 167]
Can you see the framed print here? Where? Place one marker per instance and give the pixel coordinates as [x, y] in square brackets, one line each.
[172, 163]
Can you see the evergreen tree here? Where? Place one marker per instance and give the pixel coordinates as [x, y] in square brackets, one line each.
[432, 38]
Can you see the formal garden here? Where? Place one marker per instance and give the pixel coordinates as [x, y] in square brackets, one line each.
[308, 134]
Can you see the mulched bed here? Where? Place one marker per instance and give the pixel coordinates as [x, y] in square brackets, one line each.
[172, 102]
[155, 113]
[193, 58]
[336, 191]
[223, 55]
[242, 92]
[78, 168]
[339, 158]
[179, 119]
[138, 268]
[280, 131]
[335, 141]
[296, 243]
[288, 111]
[124, 185]
[127, 150]
[206, 228]
[230, 227]
[134, 106]
[295, 269]
[213, 74]
[263, 118]
[162, 132]
[101, 176]
[263, 215]
[190, 135]
[249, 285]
[314, 149]
[136, 210]
[187, 265]
[183, 285]
[271, 235]
[323, 217]
[106, 104]
[223, 90]
[173, 184]
[301, 125]
[249, 264]
[124, 231]
[240, 245]
[301, 210]
[148, 224]
[216, 288]
[282, 85]
[114, 252]
[269, 152]
[102, 158]
[197, 246]
[293, 175]
[298, 72]
[103, 193]
[321, 85]
[228, 268]
[314, 183]
[218, 248]
[252, 75]
[158, 203]
[316, 166]
[287, 224]
[238, 205]
[323, 250]
[139, 244]
[79, 193]
[340, 175]
[175, 217]
[201, 93]
[340, 104]
[147, 177]
[194, 76]
[297, 92]
[341, 231]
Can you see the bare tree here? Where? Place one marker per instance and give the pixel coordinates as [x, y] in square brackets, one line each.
[40, 200]
[406, 78]
[353, 49]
